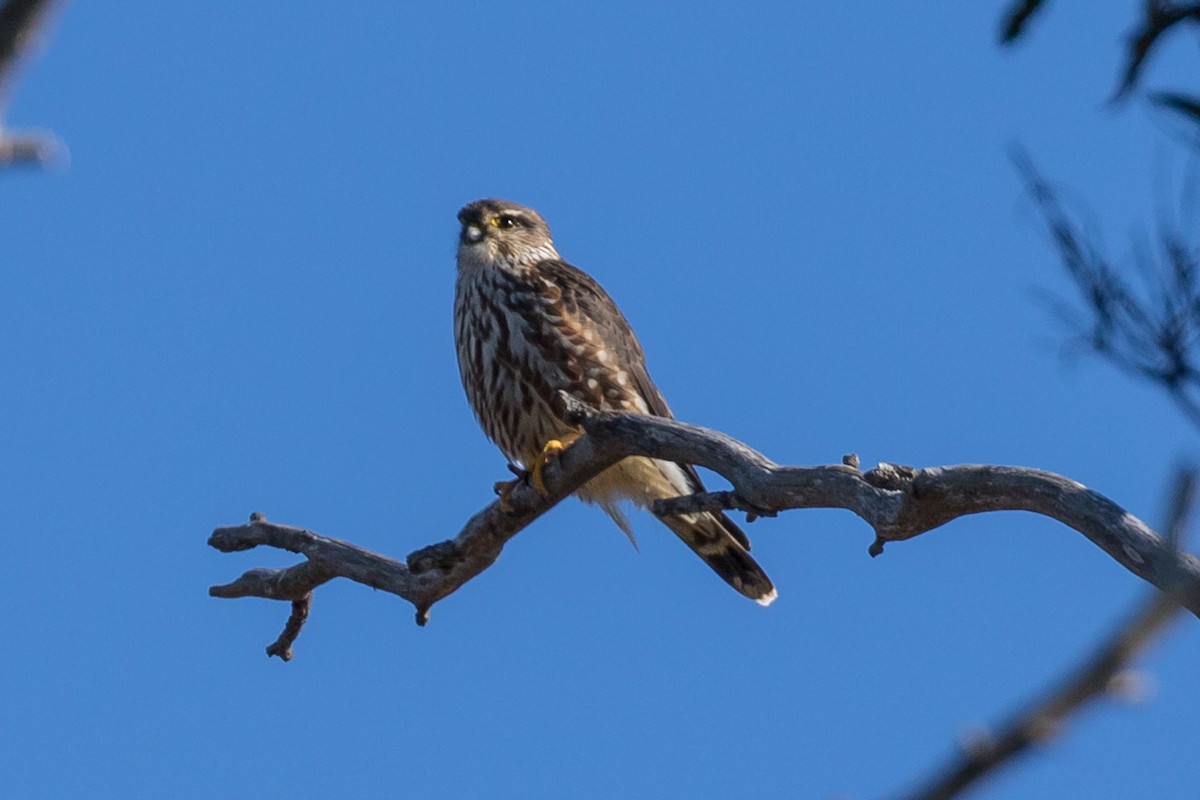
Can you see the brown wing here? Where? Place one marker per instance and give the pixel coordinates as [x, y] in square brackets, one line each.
[583, 297]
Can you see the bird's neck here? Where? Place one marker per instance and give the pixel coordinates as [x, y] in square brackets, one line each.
[473, 262]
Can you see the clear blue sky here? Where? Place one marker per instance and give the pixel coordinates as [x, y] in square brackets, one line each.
[237, 298]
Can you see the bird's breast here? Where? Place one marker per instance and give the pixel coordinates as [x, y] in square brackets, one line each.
[510, 380]
[519, 343]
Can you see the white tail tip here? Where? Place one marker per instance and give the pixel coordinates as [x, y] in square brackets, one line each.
[767, 599]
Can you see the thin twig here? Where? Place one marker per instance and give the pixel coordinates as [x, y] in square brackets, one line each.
[1150, 332]
[1015, 21]
[20, 22]
[1159, 16]
[282, 646]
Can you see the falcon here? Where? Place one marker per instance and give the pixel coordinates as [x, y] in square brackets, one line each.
[526, 325]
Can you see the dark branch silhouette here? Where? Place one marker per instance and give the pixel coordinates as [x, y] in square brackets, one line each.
[1150, 332]
[1016, 19]
[1188, 106]
[20, 22]
[897, 502]
[1158, 17]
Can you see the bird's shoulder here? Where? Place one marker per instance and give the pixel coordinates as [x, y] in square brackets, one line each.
[561, 281]
[577, 297]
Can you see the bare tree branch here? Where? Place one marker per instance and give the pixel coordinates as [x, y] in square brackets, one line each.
[1159, 16]
[1045, 718]
[1150, 332]
[39, 149]
[1015, 21]
[1094, 678]
[898, 502]
[1188, 106]
[20, 22]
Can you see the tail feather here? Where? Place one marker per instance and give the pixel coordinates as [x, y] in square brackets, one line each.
[734, 531]
[713, 536]
[720, 548]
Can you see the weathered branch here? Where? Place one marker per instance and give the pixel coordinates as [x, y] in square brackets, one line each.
[898, 502]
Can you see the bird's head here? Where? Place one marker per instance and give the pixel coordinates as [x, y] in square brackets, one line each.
[502, 233]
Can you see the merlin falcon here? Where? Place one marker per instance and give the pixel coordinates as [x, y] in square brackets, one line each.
[526, 325]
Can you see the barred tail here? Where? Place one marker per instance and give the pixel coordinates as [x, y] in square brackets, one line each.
[713, 536]
[718, 541]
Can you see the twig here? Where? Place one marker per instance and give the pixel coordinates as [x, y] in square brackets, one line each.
[1150, 333]
[28, 148]
[20, 21]
[282, 646]
[1186, 105]
[1015, 21]
[1159, 16]
[898, 502]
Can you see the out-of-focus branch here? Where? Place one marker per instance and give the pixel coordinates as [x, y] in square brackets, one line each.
[1096, 677]
[1151, 332]
[1015, 21]
[1158, 17]
[18, 148]
[19, 20]
[20, 24]
[1188, 106]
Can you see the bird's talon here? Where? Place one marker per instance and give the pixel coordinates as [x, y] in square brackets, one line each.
[549, 453]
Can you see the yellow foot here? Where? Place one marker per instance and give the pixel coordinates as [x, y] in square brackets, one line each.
[549, 453]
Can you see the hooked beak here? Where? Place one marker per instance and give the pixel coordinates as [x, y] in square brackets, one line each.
[472, 233]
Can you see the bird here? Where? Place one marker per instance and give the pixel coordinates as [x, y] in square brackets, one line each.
[527, 324]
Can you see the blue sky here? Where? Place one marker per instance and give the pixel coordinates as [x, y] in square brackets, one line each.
[236, 298]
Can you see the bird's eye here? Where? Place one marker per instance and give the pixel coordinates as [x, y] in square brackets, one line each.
[508, 221]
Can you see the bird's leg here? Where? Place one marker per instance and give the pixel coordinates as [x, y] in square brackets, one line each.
[548, 454]
[505, 488]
